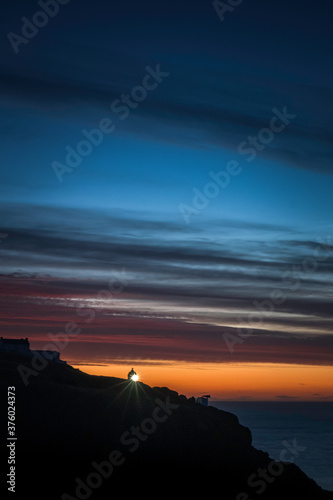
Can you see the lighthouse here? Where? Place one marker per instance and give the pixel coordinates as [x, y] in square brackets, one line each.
[133, 376]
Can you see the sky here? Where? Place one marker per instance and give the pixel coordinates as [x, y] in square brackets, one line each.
[166, 191]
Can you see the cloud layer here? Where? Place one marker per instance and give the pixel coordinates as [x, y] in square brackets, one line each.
[154, 293]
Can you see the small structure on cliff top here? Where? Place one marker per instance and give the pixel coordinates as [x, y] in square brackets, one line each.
[132, 375]
[203, 400]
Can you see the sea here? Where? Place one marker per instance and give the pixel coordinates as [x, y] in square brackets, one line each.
[303, 429]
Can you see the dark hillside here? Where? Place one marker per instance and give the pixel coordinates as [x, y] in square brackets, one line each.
[72, 425]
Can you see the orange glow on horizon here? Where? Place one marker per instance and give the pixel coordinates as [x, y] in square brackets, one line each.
[257, 381]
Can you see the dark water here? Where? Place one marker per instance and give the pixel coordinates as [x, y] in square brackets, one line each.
[279, 426]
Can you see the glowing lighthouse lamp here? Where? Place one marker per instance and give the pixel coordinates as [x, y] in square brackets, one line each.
[133, 376]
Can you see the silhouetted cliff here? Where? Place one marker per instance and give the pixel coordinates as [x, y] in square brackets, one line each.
[96, 437]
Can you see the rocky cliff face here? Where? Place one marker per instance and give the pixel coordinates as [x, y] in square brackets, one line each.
[81, 436]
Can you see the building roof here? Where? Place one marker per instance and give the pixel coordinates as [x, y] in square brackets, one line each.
[14, 341]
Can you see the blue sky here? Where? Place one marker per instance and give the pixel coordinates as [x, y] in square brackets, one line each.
[120, 206]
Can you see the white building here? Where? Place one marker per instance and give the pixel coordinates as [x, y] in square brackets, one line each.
[203, 400]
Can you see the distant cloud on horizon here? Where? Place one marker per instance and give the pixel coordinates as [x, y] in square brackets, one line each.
[284, 396]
